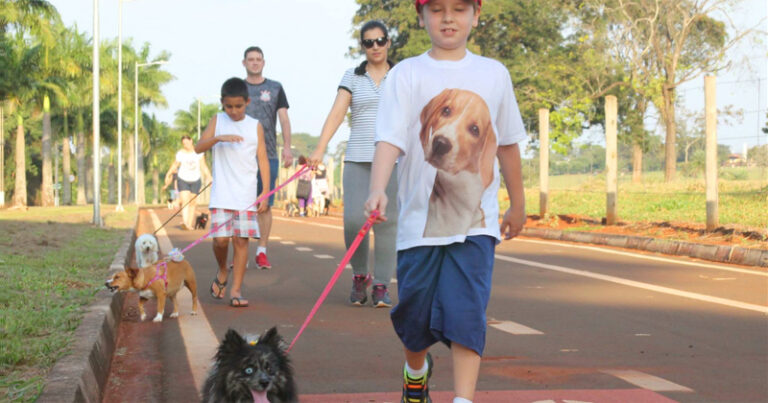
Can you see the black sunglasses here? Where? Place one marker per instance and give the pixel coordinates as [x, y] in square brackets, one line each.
[381, 41]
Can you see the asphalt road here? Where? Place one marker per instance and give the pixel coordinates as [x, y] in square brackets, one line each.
[567, 323]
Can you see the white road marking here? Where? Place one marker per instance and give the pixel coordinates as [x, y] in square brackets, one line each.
[665, 290]
[593, 248]
[647, 257]
[512, 327]
[199, 339]
[646, 381]
[643, 334]
[324, 256]
[637, 284]
[569, 350]
[303, 249]
[288, 242]
[276, 238]
[348, 267]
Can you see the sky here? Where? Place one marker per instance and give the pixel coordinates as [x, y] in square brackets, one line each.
[306, 42]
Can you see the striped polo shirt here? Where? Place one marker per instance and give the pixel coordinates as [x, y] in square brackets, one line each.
[363, 108]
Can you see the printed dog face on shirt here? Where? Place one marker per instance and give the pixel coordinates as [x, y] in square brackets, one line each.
[458, 139]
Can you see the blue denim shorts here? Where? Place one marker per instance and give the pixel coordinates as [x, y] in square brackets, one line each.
[443, 292]
[273, 167]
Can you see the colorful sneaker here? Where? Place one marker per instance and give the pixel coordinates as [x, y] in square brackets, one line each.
[262, 262]
[380, 296]
[417, 390]
[359, 285]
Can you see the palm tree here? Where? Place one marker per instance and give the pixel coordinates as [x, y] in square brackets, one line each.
[186, 121]
[27, 19]
[76, 46]
[21, 61]
[151, 78]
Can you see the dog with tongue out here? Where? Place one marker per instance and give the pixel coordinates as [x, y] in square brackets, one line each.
[251, 370]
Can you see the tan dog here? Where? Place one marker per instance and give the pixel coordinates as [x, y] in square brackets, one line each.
[150, 282]
[458, 139]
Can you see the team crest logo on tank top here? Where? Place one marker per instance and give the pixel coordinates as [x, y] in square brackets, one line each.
[265, 96]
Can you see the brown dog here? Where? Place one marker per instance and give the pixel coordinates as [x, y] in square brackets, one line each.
[458, 139]
[164, 278]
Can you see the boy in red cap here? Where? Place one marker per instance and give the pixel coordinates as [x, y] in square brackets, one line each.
[448, 115]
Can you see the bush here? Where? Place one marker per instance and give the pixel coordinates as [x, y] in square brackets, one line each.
[734, 174]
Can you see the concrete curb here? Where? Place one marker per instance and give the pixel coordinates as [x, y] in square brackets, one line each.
[81, 375]
[717, 253]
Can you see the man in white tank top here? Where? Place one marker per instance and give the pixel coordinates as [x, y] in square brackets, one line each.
[235, 139]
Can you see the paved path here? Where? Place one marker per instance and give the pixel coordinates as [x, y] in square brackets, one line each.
[568, 323]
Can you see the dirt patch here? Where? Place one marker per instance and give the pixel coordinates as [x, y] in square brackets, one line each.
[696, 233]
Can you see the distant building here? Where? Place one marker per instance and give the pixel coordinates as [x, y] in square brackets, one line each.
[736, 160]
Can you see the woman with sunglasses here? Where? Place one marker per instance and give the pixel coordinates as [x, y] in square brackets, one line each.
[359, 92]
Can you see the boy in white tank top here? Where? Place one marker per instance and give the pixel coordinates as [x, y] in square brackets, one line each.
[235, 139]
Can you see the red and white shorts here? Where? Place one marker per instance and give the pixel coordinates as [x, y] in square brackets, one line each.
[241, 224]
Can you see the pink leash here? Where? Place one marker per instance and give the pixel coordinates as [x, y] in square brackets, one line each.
[193, 244]
[259, 200]
[364, 230]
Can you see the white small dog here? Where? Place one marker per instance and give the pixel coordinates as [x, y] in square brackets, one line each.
[146, 250]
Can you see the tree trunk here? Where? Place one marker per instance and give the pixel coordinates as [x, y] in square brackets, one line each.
[637, 163]
[66, 165]
[46, 189]
[670, 156]
[111, 179]
[140, 178]
[131, 170]
[20, 185]
[82, 175]
[87, 182]
[155, 185]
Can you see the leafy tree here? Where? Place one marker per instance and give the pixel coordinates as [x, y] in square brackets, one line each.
[662, 44]
[545, 65]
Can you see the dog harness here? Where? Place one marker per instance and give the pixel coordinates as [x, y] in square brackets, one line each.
[175, 255]
[158, 276]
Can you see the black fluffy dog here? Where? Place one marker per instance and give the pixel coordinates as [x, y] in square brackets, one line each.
[256, 371]
[201, 221]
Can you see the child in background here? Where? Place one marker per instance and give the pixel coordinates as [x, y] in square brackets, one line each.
[239, 156]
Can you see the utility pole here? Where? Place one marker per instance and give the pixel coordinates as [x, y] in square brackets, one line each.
[96, 123]
[611, 160]
[119, 106]
[710, 108]
[543, 162]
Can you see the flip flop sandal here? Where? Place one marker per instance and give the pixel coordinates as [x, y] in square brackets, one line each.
[221, 286]
[236, 302]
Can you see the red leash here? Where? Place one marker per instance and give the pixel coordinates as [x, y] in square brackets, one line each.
[364, 230]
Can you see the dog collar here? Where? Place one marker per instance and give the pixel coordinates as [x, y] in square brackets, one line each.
[158, 276]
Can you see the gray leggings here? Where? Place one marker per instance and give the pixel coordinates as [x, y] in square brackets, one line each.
[357, 179]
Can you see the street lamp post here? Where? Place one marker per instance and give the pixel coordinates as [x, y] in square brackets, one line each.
[136, 123]
[119, 105]
[96, 123]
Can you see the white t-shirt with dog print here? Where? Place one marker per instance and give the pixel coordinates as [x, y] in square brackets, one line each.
[448, 118]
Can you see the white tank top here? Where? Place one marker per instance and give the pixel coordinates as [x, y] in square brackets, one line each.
[235, 170]
[189, 165]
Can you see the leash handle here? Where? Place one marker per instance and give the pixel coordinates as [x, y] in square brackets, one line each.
[259, 200]
[352, 248]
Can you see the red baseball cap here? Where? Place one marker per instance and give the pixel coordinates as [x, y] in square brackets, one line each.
[419, 3]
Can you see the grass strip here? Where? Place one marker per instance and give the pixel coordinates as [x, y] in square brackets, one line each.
[52, 263]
